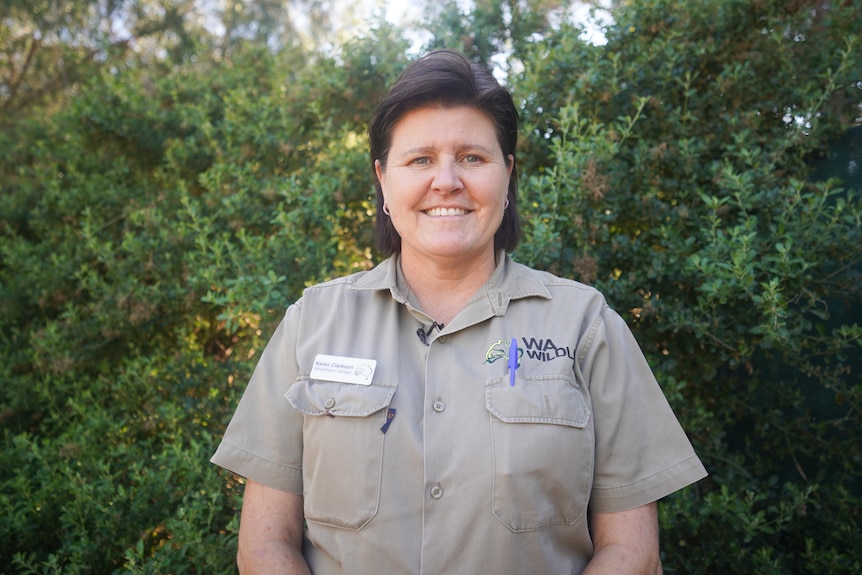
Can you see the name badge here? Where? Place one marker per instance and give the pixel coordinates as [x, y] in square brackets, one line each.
[343, 369]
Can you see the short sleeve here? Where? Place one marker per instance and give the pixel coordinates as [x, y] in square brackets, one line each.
[642, 452]
[263, 441]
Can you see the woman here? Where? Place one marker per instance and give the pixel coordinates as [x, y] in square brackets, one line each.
[452, 411]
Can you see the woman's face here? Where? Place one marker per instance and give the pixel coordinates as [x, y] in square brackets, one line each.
[445, 183]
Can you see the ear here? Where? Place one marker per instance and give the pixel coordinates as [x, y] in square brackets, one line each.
[510, 164]
[378, 171]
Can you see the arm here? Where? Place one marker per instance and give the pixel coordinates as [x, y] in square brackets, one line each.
[270, 532]
[625, 542]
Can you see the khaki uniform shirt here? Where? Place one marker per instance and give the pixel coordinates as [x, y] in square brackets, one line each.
[441, 465]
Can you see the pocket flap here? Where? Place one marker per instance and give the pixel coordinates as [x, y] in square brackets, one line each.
[555, 400]
[321, 397]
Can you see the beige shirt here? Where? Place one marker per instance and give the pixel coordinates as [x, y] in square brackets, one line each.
[441, 465]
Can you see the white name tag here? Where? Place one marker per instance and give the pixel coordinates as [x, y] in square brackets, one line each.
[343, 369]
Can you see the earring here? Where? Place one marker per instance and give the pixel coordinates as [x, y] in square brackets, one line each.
[386, 209]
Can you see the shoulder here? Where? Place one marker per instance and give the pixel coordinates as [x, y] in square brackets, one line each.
[358, 286]
[336, 284]
[559, 290]
[331, 291]
[554, 281]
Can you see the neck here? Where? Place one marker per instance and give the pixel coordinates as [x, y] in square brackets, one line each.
[441, 290]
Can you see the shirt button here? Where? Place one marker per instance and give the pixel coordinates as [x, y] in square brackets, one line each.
[330, 403]
[437, 491]
[441, 339]
[439, 406]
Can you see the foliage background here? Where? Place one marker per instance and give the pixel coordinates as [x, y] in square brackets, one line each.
[174, 173]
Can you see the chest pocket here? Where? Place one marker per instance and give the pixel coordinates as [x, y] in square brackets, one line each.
[342, 438]
[542, 451]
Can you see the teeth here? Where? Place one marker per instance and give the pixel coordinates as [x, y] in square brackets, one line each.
[446, 212]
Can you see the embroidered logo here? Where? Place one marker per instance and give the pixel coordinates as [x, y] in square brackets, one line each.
[500, 350]
[541, 349]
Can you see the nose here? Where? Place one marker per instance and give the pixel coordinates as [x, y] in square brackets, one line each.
[447, 178]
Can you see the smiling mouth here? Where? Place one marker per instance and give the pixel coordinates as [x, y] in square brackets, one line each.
[437, 212]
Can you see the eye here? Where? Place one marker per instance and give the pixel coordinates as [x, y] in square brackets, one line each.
[421, 161]
[472, 159]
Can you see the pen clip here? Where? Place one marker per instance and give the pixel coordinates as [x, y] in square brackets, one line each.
[390, 415]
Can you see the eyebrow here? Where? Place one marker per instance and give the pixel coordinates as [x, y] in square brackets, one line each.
[427, 149]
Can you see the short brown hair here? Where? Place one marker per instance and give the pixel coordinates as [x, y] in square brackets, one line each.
[447, 78]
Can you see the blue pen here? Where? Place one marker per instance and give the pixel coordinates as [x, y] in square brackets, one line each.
[513, 361]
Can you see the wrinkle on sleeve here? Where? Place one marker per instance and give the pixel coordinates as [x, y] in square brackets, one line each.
[642, 452]
[263, 441]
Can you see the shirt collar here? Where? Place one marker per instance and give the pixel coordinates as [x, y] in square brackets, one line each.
[510, 280]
